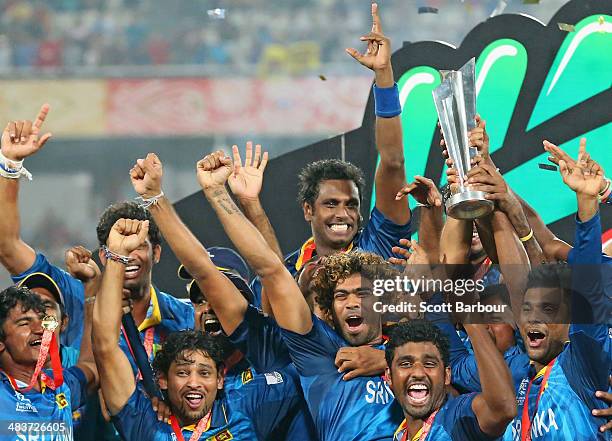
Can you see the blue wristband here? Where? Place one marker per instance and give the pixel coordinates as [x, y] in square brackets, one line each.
[386, 101]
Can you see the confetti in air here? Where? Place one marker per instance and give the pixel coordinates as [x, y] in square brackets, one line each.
[427, 10]
[501, 6]
[566, 27]
[547, 167]
[217, 14]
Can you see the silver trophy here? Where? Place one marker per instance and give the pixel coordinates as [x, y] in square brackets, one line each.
[455, 101]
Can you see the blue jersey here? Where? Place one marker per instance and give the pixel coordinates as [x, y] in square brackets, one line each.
[41, 416]
[564, 410]
[259, 338]
[360, 409]
[455, 421]
[464, 370]
[166, 314]
[250, 410]
[72, 293]
[379, 236]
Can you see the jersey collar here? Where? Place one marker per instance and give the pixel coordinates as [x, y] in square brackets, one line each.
[153, 314]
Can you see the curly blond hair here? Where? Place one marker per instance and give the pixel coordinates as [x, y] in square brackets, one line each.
[336, 268]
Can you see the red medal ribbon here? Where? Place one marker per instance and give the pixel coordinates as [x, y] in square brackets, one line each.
[148, 341]
[424, 430]
[49, 342]
[195, 436]
[525, 420]
[309, 249]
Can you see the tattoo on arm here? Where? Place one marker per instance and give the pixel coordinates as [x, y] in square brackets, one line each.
[225, 202]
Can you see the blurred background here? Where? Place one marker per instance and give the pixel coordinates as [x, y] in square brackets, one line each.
[184, 78]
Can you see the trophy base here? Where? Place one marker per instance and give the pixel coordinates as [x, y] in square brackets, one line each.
[468, 205]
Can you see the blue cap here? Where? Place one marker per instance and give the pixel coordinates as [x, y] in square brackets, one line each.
[225, 259]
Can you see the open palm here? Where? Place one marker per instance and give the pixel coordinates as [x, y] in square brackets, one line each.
[246, 180]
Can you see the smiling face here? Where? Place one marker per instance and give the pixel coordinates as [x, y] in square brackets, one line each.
[353, 311]
[23, 336]
[334, 216]
[192, 383]
[418, 378]
[544, 323]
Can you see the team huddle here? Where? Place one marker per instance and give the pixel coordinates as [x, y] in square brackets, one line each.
[294, 347]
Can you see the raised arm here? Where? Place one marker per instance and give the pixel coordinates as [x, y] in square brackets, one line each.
[246, 182]
[20, 139]
[224, 298]
[487, 178]
[288, 304]
[116, 378]
[495, 406]
[390, 173]
[424, 191]
[81, 266]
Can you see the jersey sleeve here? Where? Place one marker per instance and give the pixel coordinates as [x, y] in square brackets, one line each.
[260, 339]
[75, 380]
[587, 363]
[256, 289]
[461, 422]
[73, 297]
[269, 399]
[380, 234]
[137, 420]
[590, 298]
[314, 353]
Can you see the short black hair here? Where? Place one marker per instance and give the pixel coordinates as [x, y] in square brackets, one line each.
[417, 331]
[557, 275]
[15, 295]
[496, 290]
[190, 340]
[311, 176]
[126, 210]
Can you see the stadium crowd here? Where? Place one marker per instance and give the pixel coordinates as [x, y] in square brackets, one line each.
[64, 34]
[300, 353]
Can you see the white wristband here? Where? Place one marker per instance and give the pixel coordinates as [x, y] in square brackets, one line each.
[13, 169]
[147, 202]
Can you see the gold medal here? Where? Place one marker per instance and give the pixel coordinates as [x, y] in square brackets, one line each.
[49, 323]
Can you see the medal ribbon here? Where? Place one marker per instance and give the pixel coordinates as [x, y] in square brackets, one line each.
[308, 250]
[200, 428]
[148, 345]
[424, 430]
[525, 420]
[49, 342]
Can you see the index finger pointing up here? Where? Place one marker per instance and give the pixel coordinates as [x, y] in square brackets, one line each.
[376, 27]
[42, 115]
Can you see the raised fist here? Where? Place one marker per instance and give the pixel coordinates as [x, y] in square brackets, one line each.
[80, 265]
[20, 139]
[146, 176]
[214, 170]
[127, 235]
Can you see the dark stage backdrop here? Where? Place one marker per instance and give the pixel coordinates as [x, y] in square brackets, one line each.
[534, 82]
